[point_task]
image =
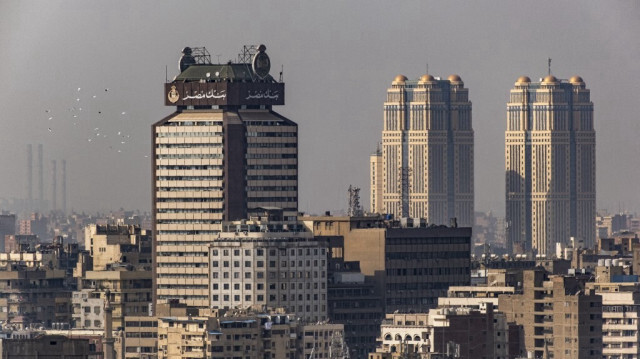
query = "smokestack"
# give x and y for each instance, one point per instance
(64, 186)
(29, 177)
(54, 185)
(40, 178)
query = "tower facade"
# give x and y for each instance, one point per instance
(427, 151)
(220, 156)
(550, 164)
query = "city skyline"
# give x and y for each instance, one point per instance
(55, 56)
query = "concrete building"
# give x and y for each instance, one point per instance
(88, 309)
(620, 319)
(427, 152)
(7, 227)
(473, 296)
(550, 165)
(34, 296)
(109, 244)
(222, 154)
(354, 301)
(20, 243)
(559, 317)
(129, 291)
(458, 333)
(264, 264)
(223, 333)
(139, 339)
(411, 266)
(48, 346)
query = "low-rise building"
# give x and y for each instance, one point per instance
(49, 346)
(456, 332)
(109, 244)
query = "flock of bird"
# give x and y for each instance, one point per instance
(86, 114)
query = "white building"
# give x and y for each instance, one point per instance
(264, 264)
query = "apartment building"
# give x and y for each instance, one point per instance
(558, 315)
(264, 264)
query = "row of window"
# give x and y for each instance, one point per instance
(188, 134)
(184, 156)
(272, 167)
(191, 178)
(272, 252)
(272, 145)
(271, 155)
(272, 264)
(191, 167)
(188, 145)
(197, 199)
(173, 123)
(189, 210)
(188, 233)
(183, 189)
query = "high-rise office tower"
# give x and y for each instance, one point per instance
(550, 149)
(222, 155)
(426, 163)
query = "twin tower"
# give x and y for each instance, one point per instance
(424, 167)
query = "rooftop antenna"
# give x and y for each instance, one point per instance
(549, 67)
(166, 74)
(427, 68)
(281, 72)
(218, 56)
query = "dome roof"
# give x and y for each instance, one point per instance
(549, 79)
(427, 78)
(400, 79)
(454, 78)
(576, 80)
(523, 79)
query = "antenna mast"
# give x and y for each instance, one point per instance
(549, 67)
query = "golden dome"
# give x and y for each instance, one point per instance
(427, 78)
(400, 79)
(549, 79)
(454, 78)
(523, 79)
(576, 80)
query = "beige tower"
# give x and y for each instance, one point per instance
(427, 151)
(550, 164)
(222, 155)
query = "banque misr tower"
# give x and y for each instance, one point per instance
(550, 149)
(223, 154)
(425, 166)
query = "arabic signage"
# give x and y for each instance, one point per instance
(223, 93)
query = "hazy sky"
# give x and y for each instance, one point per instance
(339, 58)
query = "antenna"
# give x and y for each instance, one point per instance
(549, 67)
(281, 72)
(166, 74)
(218, 56)
(427, 68)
